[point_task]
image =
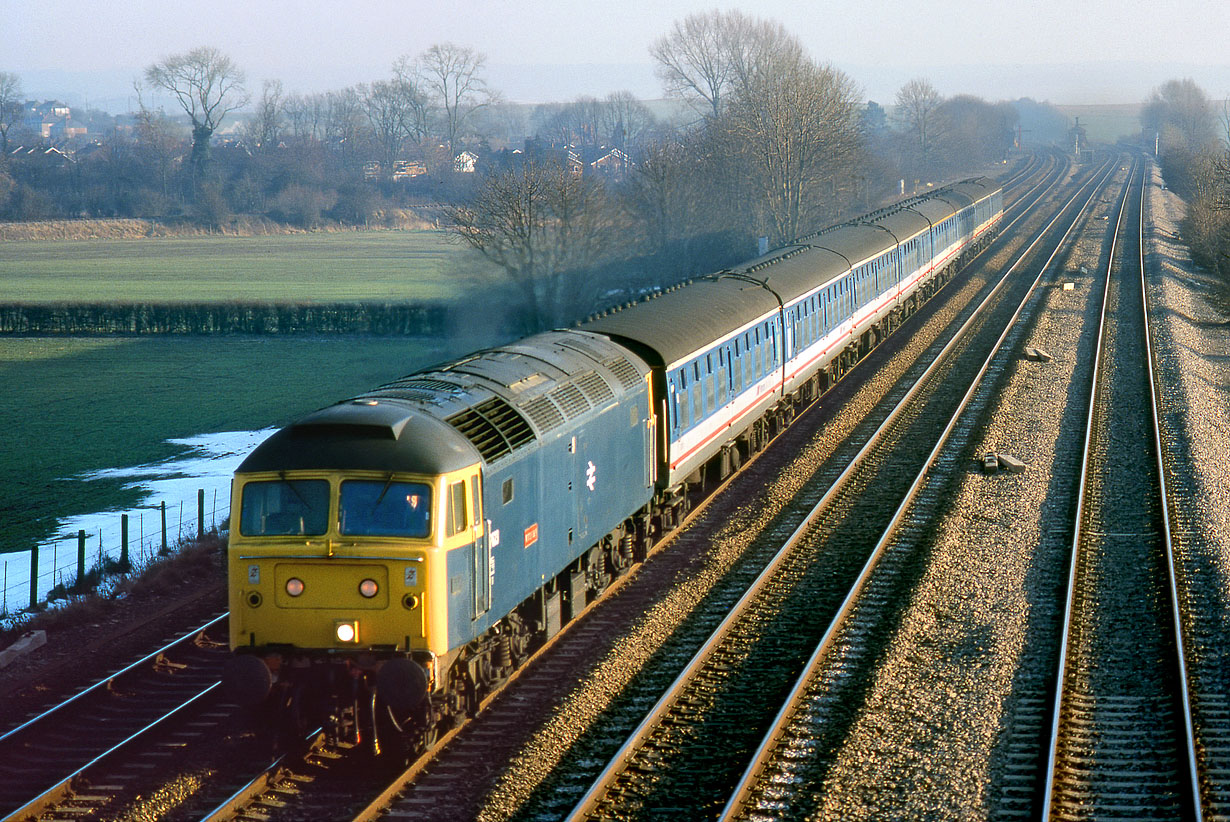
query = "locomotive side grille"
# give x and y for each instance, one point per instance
(595, 388)
(571, 400)
(624, 370)
(494, 427)
(544, 413)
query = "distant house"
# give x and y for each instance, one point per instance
(52, 120)
(371, 170)
(408, 169)
(465, 163)
(611, 162)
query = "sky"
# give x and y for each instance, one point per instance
(1081, 51)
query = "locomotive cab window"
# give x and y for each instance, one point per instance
(383, 508)
(285, 508)
(457, 515)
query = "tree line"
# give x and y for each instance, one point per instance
(1192, 140)
(760, 144)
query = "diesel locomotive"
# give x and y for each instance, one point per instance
(394, 557)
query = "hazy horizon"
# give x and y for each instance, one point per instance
(88, 52)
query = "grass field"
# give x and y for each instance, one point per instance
(71, 405)
(321, 267)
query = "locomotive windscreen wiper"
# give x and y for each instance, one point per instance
(291, 485)
(383, 491)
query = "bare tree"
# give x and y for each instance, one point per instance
(758, 49)
(975, 131)
(1179, 110)
(693, 61)
(453, 74)
(264, 130)
(623, 120)
(919, 112)
(390, 108)
(708, 56)
(208, 85)
(158, 140)
(305, 116)
(344, 120)
(542, 225)
(408, 75)
(661, 188)
(798, 127)
(10, 107)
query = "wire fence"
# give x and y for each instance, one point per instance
(89, 561)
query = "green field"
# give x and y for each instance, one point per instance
(77, 404)
(412, 266)
(72, 405)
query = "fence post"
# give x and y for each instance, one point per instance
(124, 566)
(34, 576)
(163, 508)
(81, 560)
(200, 513)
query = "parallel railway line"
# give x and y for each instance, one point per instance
(1123, 731)
(73, 742)
(700, 713)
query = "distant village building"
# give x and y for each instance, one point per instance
(612, 162)
(465, 163)
(52, 120)
(408, 169)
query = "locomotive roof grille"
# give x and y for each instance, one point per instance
(624, 370)
(595, 388)
(570, 400)
(425, 384)
(544, 413)
(494, 427)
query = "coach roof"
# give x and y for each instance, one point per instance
(680, 322)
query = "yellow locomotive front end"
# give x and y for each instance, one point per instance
(334, 561)
(337, 561)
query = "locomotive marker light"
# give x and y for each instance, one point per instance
(294, 586)
(346, 631)
(368, 588)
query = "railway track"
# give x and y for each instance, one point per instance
(701, 725)
(48, 758)
(1200, 572)
(1123, 731)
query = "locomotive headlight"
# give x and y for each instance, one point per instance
(346, 631)
(368, 588)
(294, 586)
